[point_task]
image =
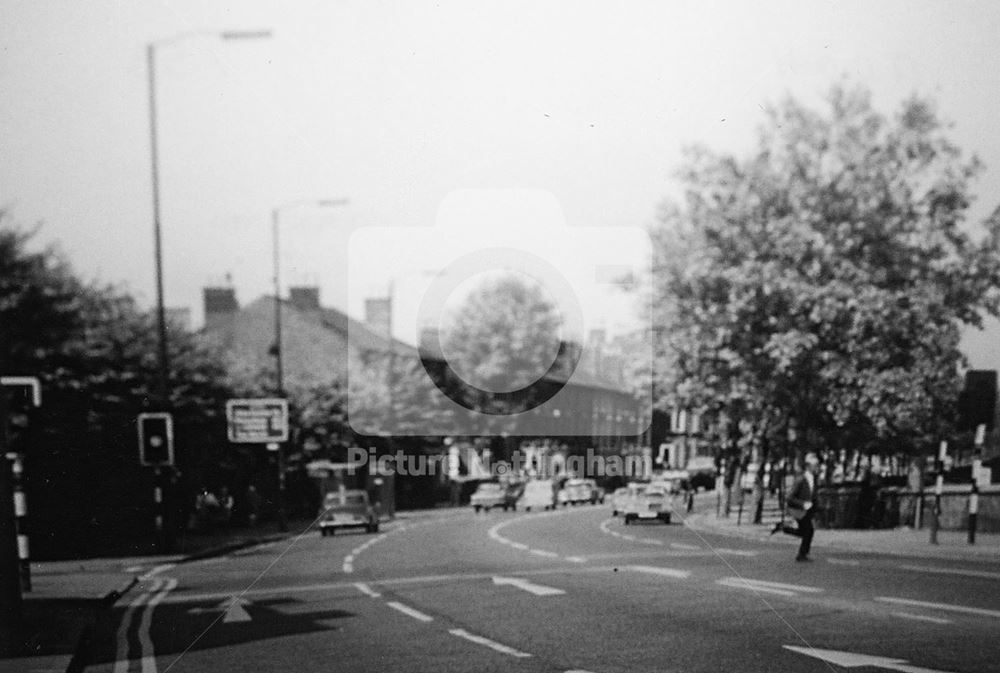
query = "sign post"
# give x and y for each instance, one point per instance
(262, 421)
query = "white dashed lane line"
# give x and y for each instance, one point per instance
(409, 612)
(952, 571)
(367, 590)
(922, 618)
(777, 588)
(664, 572)
(492, 644)
(939, 606)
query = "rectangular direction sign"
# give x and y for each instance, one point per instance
(257, 421)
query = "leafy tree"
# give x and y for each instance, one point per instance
(822, 280)
(94, 350)
(503, 337)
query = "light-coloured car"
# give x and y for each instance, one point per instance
(574, 492)
(596, 492)
(538, 494)
(622, 501)
(654, 503)
(618, 500)
(348, 509)
(490, 494)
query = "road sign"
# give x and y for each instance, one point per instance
(257, 421)
(156, 438)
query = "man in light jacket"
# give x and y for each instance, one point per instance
(802, 504)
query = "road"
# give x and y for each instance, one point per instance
(572, 590)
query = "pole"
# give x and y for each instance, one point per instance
(279, 372)
(21, 520)
(161, 318)
(938, 490)
(973, 512)
(10, 585)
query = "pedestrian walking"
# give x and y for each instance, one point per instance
(801, 506)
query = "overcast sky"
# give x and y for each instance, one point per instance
(395, 105)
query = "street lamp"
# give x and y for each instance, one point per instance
(278, 356)
(163, 392)
(163, 362)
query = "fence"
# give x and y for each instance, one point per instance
(851, 506)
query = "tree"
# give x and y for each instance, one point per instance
(822, 280)
(94, 350)
(502, 338)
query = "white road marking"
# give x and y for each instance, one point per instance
(855, 660)
(939, 606)
(233, 609)
(480, 640)
(348, 566)
(843, 562)
(761, 586)
(542, 552)
(519, 545)
(407, 610)
(525, 585)
(367, 590)
(953, 571)
(688, 547)
(121, 654)
(576, 559)
(922, 618)
(393, 581)
(157, 570)
(666, 572)
(145, 641)
(775, 585)
(734, 552)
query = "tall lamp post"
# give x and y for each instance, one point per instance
(279, 370)
(163, 362)
(162, 398)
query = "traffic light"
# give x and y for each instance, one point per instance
(156, 439)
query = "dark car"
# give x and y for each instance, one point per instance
(348, 510)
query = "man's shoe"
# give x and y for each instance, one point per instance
(776, 528)
(803, 559)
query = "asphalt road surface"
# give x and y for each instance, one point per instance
(572, 590)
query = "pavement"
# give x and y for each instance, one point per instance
(571, 590)
(905, 542)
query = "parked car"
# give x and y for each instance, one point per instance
(596, 492)
(492, 494)
(701, 472)
(624, 496)
(538, 494)
(575, 492)
(350, 509)
(654, 503)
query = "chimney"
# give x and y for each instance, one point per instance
(304, 298)
(378, 315)
(220, 306)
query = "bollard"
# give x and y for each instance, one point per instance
(973, 512)
(21, 520)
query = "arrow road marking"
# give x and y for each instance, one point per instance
(940, 606)
(536, 589)
(480, 640)
(853, 660)
(233, 607)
